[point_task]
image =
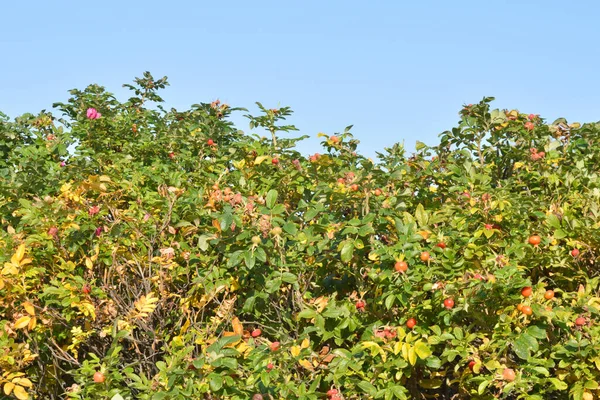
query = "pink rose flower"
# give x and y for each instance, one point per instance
(92, 113)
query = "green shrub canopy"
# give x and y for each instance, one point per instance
(149, 253)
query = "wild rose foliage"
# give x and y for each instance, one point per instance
(171, 256)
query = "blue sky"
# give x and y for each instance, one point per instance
(396, 70)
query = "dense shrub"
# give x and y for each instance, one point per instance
(162, 254)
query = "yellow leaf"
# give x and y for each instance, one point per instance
(405, 348)
(321, 303)
(424, 234)
(185, 327)
(397, 348)
(10, 269)
(306, 364)
(73, 226)
(20, 393)
(24, 382)
(412, 356)
(18, 256)
(422, 350)
(258, 160)
(235, 285)
(238, 329)
(375, 349)
(1, 283)
(305, 343)
(87, 308)
(239, 164)
(29, 308)
(295, 351)
(22, 322)
(243, 348)
(88, 263)
(8, 388)
(32, 323)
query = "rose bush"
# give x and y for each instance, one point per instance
(150, 253)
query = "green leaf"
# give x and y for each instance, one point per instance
(368, 388)
(433, 362)
(591, 385)
(288, 277)
(365, 230)
(482, 386)
(577, 391)
(347, 251)
(524, 344)
(558, 384)
(249, 259)
(203, 242)
(271, 198)
(537, 332)
(553, 221)
(273, 285)
(560, 234)
(389, 301)
(398, 391)
(307, 313)
(215, 381)
(290, 228)
(422, 350)
(421, 216)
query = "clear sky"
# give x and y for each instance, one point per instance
(396, 70)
